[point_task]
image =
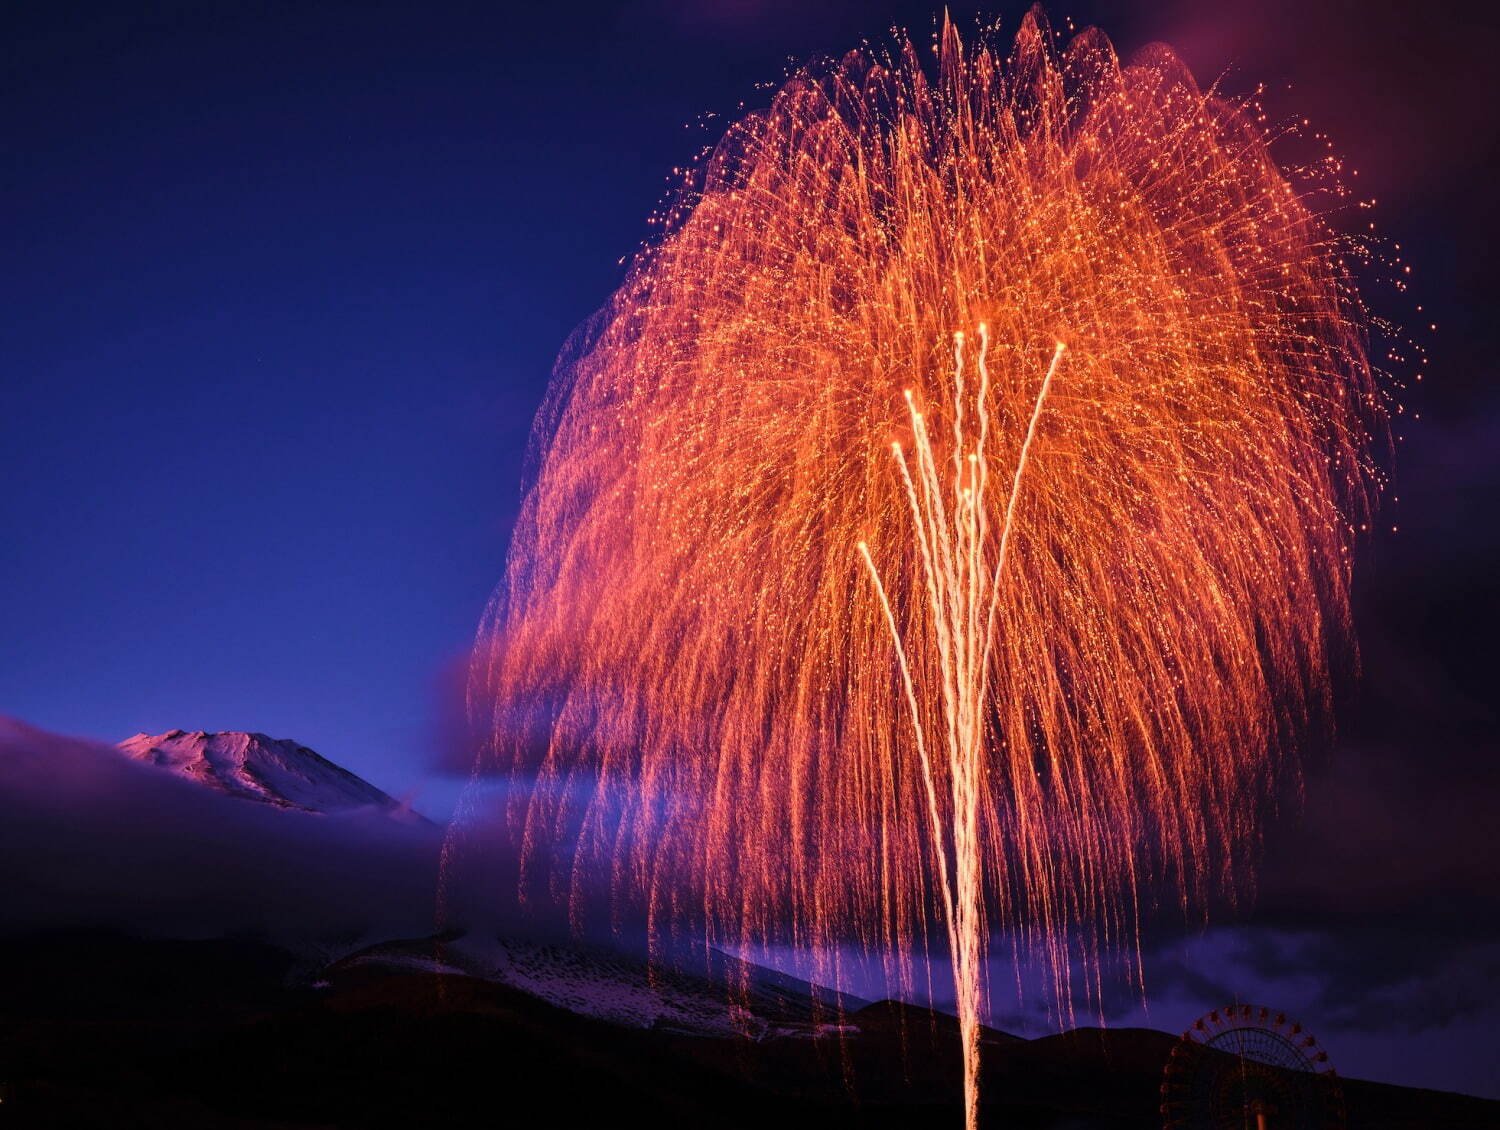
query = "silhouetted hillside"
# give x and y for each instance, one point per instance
(100, 1030)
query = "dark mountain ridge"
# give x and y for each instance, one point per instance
(105, 1030)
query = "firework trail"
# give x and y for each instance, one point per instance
(963, 591)
(946, 529)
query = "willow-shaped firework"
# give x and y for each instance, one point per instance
(718, 651)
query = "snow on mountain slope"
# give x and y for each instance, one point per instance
(255, 767)
(727, 997)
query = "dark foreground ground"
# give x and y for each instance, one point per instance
(104, 1031)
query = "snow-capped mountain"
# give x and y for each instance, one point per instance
(255, 767)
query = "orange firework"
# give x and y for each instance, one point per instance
(947, 525)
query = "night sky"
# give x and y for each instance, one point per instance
(283, 287)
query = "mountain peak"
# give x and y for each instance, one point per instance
(255, 767)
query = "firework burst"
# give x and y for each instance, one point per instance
(857, 610)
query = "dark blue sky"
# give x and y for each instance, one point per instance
(284, 281)
(284, 284)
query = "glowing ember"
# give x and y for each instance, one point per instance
(793, 688)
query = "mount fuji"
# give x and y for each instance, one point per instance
(255, 767)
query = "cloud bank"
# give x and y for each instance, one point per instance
(89, 838)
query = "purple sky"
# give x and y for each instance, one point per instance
(284, 283)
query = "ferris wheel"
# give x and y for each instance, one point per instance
(1247, 1067)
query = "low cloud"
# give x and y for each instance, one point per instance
(89, 838)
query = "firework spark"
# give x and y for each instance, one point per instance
(861, 612)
